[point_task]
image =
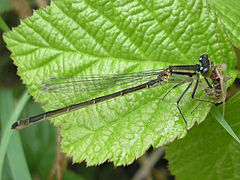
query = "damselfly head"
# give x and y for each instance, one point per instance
(206, 64)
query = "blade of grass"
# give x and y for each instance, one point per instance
(218, 116)
(8, 133)
(15, 152)
(3, 26)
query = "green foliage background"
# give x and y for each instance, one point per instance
(208, 152)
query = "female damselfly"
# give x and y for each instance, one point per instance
(179, 74)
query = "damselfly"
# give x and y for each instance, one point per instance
(179, 75)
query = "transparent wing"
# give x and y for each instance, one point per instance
(68, 91)
(65, 91)
(97, 82)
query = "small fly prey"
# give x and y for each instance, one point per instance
(179, 75)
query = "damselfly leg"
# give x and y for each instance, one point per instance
(195, 89)
(178, 101)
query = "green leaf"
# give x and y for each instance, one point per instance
(78, 38)
(42, 143)
(219, 117)
(208, 152)
(6, 137)
(3, 25)
(228, 12)
(15, 154)
(5, 6)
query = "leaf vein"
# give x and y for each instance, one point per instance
(94, 38)
(142, 52)
(58, 31)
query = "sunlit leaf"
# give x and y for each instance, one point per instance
(76, 38)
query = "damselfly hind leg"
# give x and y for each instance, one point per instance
(195, 89)
(178, 101)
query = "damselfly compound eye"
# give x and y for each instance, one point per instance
(205, 63)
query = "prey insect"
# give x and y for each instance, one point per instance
(179, 75)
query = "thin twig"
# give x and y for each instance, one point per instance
(22, 8)
(41, 3)
(143, 172)
(60, 161)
